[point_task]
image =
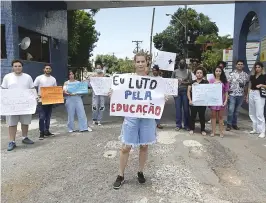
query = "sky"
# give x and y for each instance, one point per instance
(119, 26)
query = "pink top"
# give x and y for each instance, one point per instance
(225, 89)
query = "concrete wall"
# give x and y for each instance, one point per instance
(31, 16)
(244, 12)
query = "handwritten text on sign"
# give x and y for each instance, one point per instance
(18, 102)
(136, 96)
(77, 88)
(207, 95)
(171, 86)
(52, 95)
(101, 85)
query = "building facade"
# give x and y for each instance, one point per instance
(46, 26)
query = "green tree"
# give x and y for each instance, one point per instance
(82, 37)
(172, 39)
(210, 58)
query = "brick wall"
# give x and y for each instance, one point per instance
(31, 16)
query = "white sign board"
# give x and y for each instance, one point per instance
(165, 60)
(137, 96)
(207, 95)
(171, 86)
(101, 85)
(18, 101)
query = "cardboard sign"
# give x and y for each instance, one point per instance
(52, 95)
(77, 88)
(137, 96)
(18, 101)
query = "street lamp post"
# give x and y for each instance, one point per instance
(185, 27)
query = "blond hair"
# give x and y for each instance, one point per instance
(141, 54)
(258, 63)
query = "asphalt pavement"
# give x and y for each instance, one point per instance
(81, 167)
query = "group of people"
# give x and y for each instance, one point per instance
(73, 102)
(236, 88)
(141, 132)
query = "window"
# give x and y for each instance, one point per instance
(3, 42)
(39, 49)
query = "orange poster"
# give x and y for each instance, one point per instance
(52, 95)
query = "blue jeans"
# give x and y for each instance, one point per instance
(233, 108)
(74, 105)
(45, 112)
(181, 102)
(98, 107)
(157, 121)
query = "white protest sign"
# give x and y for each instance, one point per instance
(165, 60)
(171, 86)
(101, 85)
(137, 96)
(18, 101)
(207, 95)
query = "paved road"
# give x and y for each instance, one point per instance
(73, 168)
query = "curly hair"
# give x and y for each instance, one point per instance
(222, 77)
(202, 69)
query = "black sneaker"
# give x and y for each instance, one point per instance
(26, 140)
(48, 133)
(141, 178)
(41, 136)
(119, 182)
(228, 128)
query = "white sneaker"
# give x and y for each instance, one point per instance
(253, 132)
(93, 122)
(262, 135)
(89, 129)
(99, 123)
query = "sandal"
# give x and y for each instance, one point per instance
(221, 135)
(212, 135)
(203, 133)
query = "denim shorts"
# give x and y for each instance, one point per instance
(138, 131)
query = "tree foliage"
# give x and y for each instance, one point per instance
(82, 37)
(210, 58)
(114, 64)
(172, 39)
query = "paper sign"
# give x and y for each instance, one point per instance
(171, 86)
(52, 95)
(101, 85)
(18, 101)
(77, 88)
(137, 96)
(165, 60)
(207, 95)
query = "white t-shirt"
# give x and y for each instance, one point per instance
(44, 81)
(13, 81)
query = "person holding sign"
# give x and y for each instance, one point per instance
(45, 111)
(18, 80)
(98, 101)
(74, 105)
(219, 77)
(200, 73)
(136, 132)
(184, 77)
(256, 99)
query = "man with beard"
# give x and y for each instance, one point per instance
(45, 111)
(181, 100)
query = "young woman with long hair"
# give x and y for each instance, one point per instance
(219, 77)
(256, 100)
(136, 132)
(74, 105)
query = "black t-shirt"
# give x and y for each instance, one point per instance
(202, 82)
(257, 81)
